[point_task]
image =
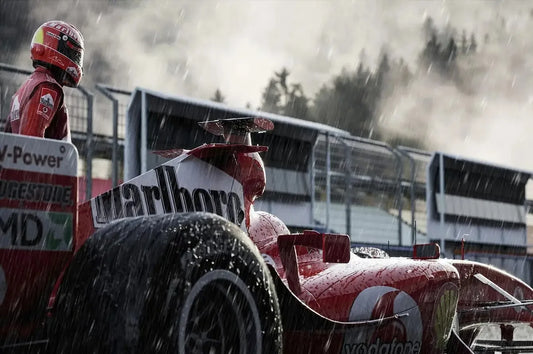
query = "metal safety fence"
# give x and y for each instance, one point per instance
(361, 187)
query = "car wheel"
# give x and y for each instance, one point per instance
(100, 298)
(213, 294)
(167, 283)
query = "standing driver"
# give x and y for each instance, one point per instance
(38, 107)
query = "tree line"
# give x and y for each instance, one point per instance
(351, 99)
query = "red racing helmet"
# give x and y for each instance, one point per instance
(59, 45)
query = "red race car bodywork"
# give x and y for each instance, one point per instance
(331, 299)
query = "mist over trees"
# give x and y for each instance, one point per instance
(282, 97)
(351, 99)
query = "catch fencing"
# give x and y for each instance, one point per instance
(361, 187)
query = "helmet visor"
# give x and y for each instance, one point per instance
(71, 49)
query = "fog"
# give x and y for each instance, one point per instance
(195, 47)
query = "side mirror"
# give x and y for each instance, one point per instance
(335, 248)
(426, 251)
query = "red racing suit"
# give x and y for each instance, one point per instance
(38, 108)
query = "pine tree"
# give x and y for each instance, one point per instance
(349, 102)
(297, 103)
(282, 82)
(218, 97)
(280, 97)
(450, 54)
(465, 47)
(431, 53)
(383, 71)
(271, 98)
(473, 43)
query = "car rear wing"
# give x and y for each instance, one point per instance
(237, 130)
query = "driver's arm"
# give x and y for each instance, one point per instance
(40, 109)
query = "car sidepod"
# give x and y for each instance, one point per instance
(394, 305)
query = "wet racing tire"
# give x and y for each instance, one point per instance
(181, 283)
(213, 294)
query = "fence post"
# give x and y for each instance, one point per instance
(13, 69)
(347, 184)
(312, 176)
(89, 143)
(399, 192)
(114, 150)
(412, 191)
(328, 180)
(409, 153)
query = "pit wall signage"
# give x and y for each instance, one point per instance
(38, 193)
(35, 230)
(38, 155)
(184, 184)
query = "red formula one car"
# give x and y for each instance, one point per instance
(178, 260)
